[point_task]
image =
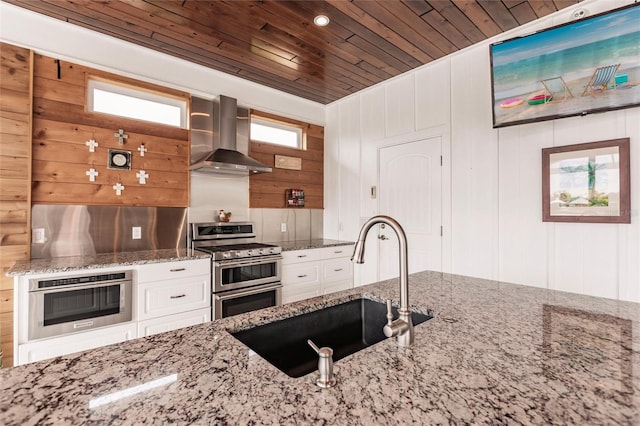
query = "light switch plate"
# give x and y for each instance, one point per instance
(136, 232)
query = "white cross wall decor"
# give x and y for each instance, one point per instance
(142, 150)
(92, 144)
(142, 176)
(121, 136)
(92, 173)
(119, 188)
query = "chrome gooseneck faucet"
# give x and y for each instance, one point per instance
(403, 326)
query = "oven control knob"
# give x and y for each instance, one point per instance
(249, 252)
(261, 251)
(238, 254)
(226, 255)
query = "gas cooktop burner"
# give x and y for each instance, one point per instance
(231, 240)
(237, 251)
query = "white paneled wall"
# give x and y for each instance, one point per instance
(474, 166)
(492, 186)
(400, 105)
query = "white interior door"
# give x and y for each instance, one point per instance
(410, 190)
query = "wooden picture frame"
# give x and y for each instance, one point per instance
(587, 182)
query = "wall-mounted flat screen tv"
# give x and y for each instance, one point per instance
(585, 66)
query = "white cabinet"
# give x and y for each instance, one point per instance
(314, 272)
(153, 272)
(173, 322)
(49, 348)
(173, 295)
(337, 269)
(166, 296)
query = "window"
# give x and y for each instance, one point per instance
(125, 101)
(276, 132)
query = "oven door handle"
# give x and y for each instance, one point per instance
(247, 292)
(260, 260)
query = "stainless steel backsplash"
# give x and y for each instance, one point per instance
(72, 230)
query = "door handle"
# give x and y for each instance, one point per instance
(382, 237)
(178, 296)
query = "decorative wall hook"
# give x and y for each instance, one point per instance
(142, 150)
(92, 173)
(121, 136)
(92, 144)
(142, 177)
(118, 188)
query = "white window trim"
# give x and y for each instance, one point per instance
(120, 89)
(281, 126)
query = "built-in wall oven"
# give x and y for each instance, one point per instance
(78, 303)
(245, 275)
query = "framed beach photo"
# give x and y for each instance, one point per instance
(587, 182)
(585, 66)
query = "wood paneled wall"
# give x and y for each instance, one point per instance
(267, 190)
(16, 65)
(62, 125)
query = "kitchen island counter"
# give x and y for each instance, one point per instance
(494, 353)
(102, 260)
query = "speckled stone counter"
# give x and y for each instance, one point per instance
(495, 353)
(72, 263)
(311, 244)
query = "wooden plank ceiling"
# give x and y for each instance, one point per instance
(275, 43)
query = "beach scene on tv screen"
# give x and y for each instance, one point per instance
(588, 65)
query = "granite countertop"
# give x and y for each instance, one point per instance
(494, 353)
(311, 244)
(106, 260)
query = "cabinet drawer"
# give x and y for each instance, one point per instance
(297, 256)
(56, 346)
(173, 296)
(328, 288)
(173, 270)
(337, 269)
(295, 292)
(301, 273)
(337, 251)
(173, 322)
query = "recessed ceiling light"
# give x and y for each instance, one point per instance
(321, 20)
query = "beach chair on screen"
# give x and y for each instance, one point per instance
(557, 86)
(600, 79)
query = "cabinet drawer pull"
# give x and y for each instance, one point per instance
(302, 276)
(338, 251)
(302, 255)
(338, 270)
(178, 296)
(177, 270)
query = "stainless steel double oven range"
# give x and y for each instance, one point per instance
(245, 274)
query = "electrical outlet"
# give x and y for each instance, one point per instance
(283, 227)
(37, 236)
(136, 232)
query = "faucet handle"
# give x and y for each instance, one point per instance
(389, 312)
(389, 329)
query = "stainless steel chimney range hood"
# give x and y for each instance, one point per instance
(219, 132)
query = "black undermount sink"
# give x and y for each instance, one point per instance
(345, 328)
